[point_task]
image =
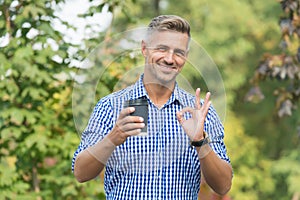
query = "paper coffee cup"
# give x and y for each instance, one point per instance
(141, 110)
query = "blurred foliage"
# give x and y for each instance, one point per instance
(37, 131)
(252, 178)
(41, 89)
(282, 67)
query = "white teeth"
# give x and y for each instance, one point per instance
(167, 67)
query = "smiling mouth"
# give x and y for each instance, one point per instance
(167, 68)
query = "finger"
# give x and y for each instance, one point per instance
(134, 132)
(127, 129)
(126, 111)
(207, 97)
(129, 123)
(187, 109)
(197, 102)
(125, 117)
(180, 118)
(132, 126)
(180, 114)
(207, 107)
(207, 103)
(132, 119)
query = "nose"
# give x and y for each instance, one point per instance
(168, 58)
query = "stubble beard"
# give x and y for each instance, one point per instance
(161, 78)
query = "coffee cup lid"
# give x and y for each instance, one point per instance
(137, 102)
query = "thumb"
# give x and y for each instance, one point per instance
(180, 117)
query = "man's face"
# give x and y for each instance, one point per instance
(165, 54)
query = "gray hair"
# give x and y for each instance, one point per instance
(168, 22)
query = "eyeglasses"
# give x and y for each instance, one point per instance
(165, 49)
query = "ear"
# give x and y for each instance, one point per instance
(144, 48)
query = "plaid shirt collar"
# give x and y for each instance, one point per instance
(139, 91)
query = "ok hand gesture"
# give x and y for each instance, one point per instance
(194, 126)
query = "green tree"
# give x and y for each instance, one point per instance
(284, 67)
(36, 122)
(277, 77)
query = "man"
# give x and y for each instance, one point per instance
(168, 162)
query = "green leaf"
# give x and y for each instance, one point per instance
(17, 117)
(8, 174)
(294, 183)
(11, 132)
(32, 11)
(47, 29)
(24, 52)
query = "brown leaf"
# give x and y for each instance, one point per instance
(285, 108)
(254, 95)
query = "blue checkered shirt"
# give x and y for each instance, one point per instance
(161, 165)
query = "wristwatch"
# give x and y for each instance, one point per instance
(202, 142)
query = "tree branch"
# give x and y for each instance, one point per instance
(36, 182)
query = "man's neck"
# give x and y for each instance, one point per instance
(158, 93)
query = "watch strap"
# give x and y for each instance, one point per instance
(200, 142)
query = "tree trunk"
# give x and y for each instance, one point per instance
(156, 7)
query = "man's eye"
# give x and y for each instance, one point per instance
(180, 53)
